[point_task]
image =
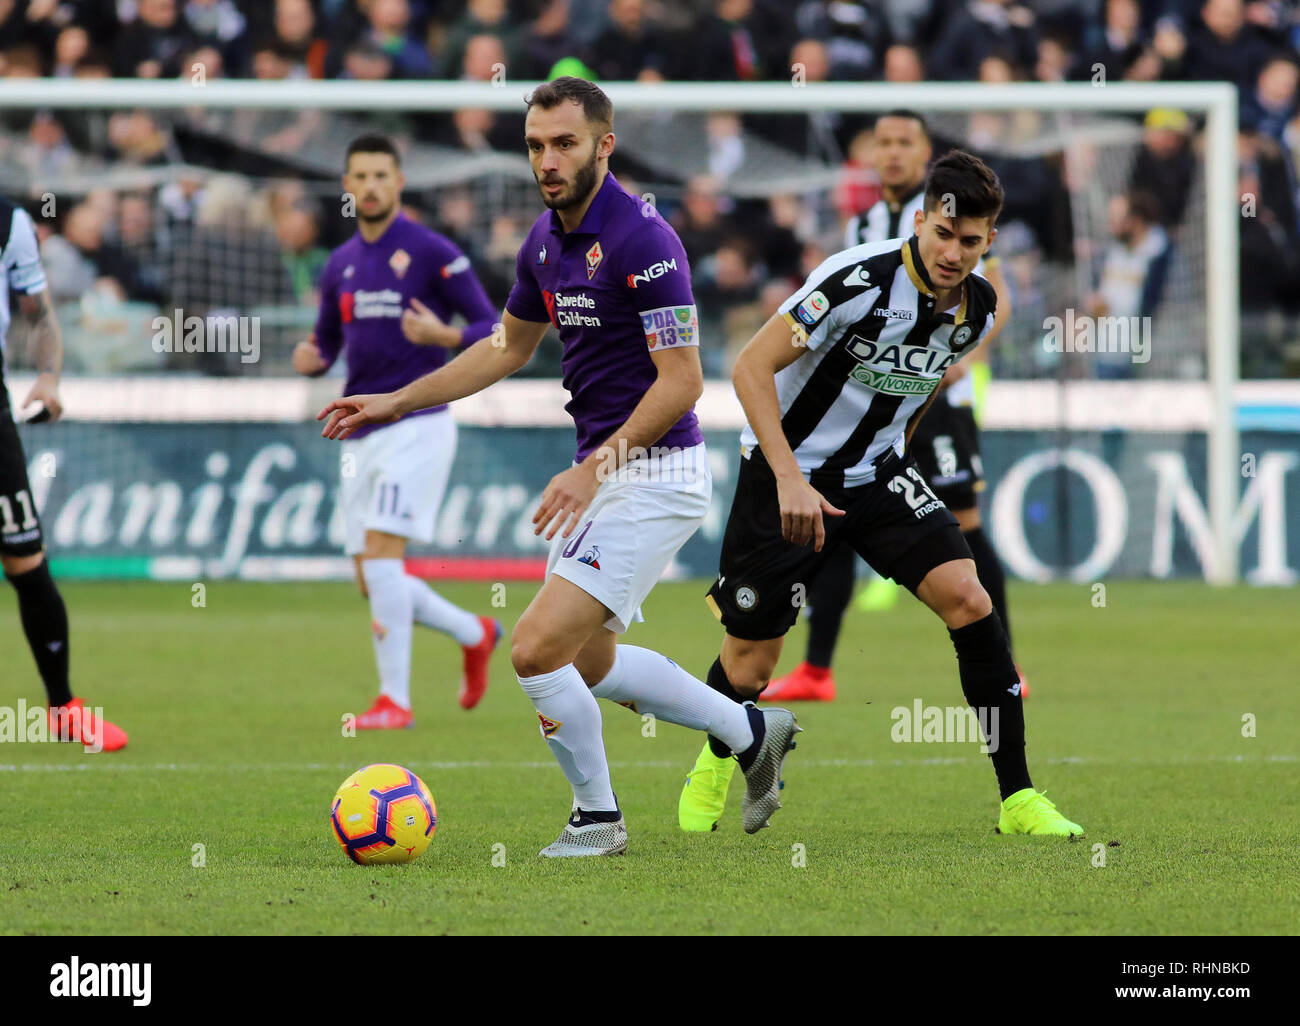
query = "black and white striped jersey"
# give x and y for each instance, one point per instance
(877, 348)
(880, 222)
(20, 269)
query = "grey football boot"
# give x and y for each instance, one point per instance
(583, 835)
(763, 777)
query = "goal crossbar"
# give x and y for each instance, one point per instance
(1216, 102)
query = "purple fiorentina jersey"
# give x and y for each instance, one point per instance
(616, 287)
(366, 287)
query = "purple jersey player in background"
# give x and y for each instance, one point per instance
(387, 297)
(611, 276)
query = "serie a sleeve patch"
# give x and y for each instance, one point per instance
(671, 327)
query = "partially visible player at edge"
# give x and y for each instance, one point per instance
(612, 276)
(22, 546)
(946, 442)
(833, 387)
(386, 297)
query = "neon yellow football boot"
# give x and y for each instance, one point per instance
(1028, 812)
(878, 596)
(705, 795)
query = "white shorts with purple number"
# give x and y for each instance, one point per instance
(641, 516)
(393, 479)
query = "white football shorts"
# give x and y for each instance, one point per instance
(641, 516)
(393, 479)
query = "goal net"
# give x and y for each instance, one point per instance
(1110, 444)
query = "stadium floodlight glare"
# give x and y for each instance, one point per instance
(1216, 102)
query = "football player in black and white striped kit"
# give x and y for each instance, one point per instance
(22, 547)
(833, 387)
(946, 442)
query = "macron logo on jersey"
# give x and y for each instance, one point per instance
(650, 273)
(858, 276)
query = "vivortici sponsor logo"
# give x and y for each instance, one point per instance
(898, 369)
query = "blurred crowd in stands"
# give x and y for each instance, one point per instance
(255, 227)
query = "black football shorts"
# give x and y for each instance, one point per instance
(946, 444)
(895, 523)
(20, 528)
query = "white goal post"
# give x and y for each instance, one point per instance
(1217, 102)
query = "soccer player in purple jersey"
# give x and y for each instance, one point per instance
(387, 297)
(610, 274)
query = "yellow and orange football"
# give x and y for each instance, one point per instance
(383, 814)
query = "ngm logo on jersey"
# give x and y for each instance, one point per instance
(102, 979)
(215, 333)
(37, 725)
(898, 369)
(650, 273)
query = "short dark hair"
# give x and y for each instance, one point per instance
(907, 114)
(568, 89)
(373, 143)
(973, 187)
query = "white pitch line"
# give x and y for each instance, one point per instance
(108, 763)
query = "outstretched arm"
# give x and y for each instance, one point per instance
(484, 363)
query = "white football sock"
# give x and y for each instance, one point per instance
(562, 698)
(658, 686)
(390, 613)
(432, 610)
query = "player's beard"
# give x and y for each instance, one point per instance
(379, 216)
(584, 180)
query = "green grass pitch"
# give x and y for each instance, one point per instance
(1135, 728)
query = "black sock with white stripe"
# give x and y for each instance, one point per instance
(992, 687)
(45, 622)
(717, 680)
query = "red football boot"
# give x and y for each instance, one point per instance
(1024, 684)
(385, 714)
(74, 722)
(475, 679)
(805, 683)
